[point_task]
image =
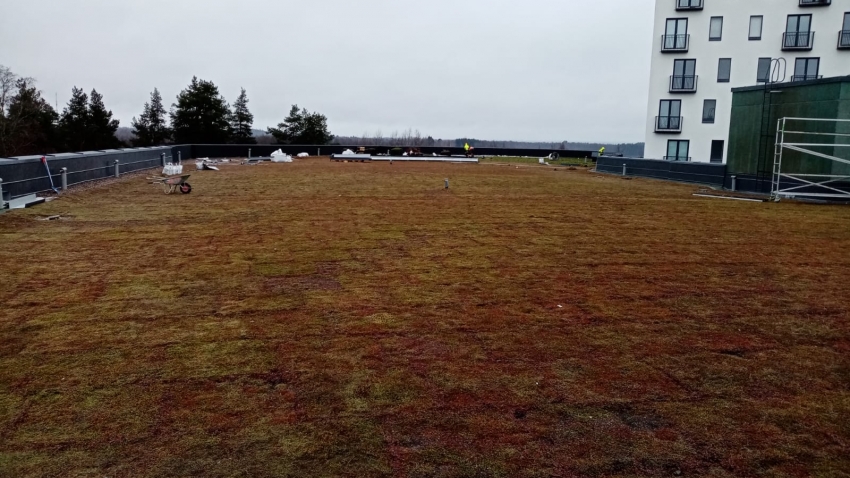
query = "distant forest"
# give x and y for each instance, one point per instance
(415, 138)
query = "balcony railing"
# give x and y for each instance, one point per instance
(815, 3)
(689, 5)
(844, 40)
(668, 124)
(806, 77)
(798, 40)
(678, 158)
(675, 43)
(683, 84)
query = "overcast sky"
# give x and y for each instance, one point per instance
(540, 70)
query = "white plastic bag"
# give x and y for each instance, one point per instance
(307, 155)
(279, 157)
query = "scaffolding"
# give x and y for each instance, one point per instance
(796, 184)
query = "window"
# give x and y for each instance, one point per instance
(724, 70)
(684, 78)
(756, 22)
(688, 4)
(715, 29)
(763, 73)
(708, 108)
(717, 147)
(806, 69)
(798, 32)
(669, 115)
(677, 150)
(798, 23)
(676, 34)
(844, 36)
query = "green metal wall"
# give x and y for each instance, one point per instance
(751, 152)
(744, 132)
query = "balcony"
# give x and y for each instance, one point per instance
(806, 77)
(678, 158)
(798, 41)
(675, 43)
(815, 3)
(844, 40)
(689, 5)
(683, 84)
(668, 124)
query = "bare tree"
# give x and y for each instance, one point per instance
(8, 79)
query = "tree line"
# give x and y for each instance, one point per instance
(200, 115)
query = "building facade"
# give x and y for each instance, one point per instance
(704, 48)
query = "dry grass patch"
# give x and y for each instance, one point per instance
(323, 319)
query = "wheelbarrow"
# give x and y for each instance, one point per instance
(173, 183)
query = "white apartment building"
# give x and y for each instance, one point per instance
(704, 48)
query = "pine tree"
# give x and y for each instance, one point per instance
(73, 124)
(302, 127)
(101, 127)
(151, 128)
(286, 132)
(201, 115)
(29, 124)
(315, 129)
(241, 121)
